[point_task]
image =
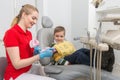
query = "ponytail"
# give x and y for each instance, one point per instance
(15, 21)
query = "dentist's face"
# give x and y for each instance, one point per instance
(59, 36)
(31, 19)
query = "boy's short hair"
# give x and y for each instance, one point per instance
(59, 29)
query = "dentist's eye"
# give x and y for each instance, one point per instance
(34, 18)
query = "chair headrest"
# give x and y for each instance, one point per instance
(46, 22)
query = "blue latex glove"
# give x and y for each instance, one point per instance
(37, 50)
(47, 53)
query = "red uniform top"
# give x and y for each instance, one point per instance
(16, 37)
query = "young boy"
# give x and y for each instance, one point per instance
(63, 48)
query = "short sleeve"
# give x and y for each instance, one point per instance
(10, 39)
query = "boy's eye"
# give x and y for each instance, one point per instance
(59, 36)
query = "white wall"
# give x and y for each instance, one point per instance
(92, 22)
(79, 20)
(60, 12)
(6, 16)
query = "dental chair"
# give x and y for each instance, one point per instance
(61, 72)
(45, 36)
(3, 64)
(112, 37)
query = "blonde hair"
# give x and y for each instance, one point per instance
(27, 8)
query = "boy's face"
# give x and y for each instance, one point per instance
(59, 36)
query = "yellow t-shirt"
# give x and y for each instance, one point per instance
(63, 49)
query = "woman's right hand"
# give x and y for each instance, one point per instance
(46, 53)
